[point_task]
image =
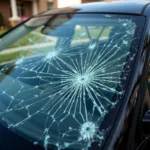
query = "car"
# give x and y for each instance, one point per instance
(77, 78)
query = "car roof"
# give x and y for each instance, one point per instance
(123, 7)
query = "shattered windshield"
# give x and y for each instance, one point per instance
(63, 77)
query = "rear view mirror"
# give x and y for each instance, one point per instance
(60, 31)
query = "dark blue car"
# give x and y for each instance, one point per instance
(77, 78)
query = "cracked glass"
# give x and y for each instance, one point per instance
(63, 77)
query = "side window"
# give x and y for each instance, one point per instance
(106, 33)
(80, 33)
(85, 34)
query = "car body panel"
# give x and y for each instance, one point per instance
(122, 7)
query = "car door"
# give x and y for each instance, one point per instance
(145, 143)
(138, 135)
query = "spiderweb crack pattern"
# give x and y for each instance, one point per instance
(61, 98)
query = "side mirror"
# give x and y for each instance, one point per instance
(146, 122)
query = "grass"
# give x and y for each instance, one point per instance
(2, 31)
(13, 56)
(29, 39)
